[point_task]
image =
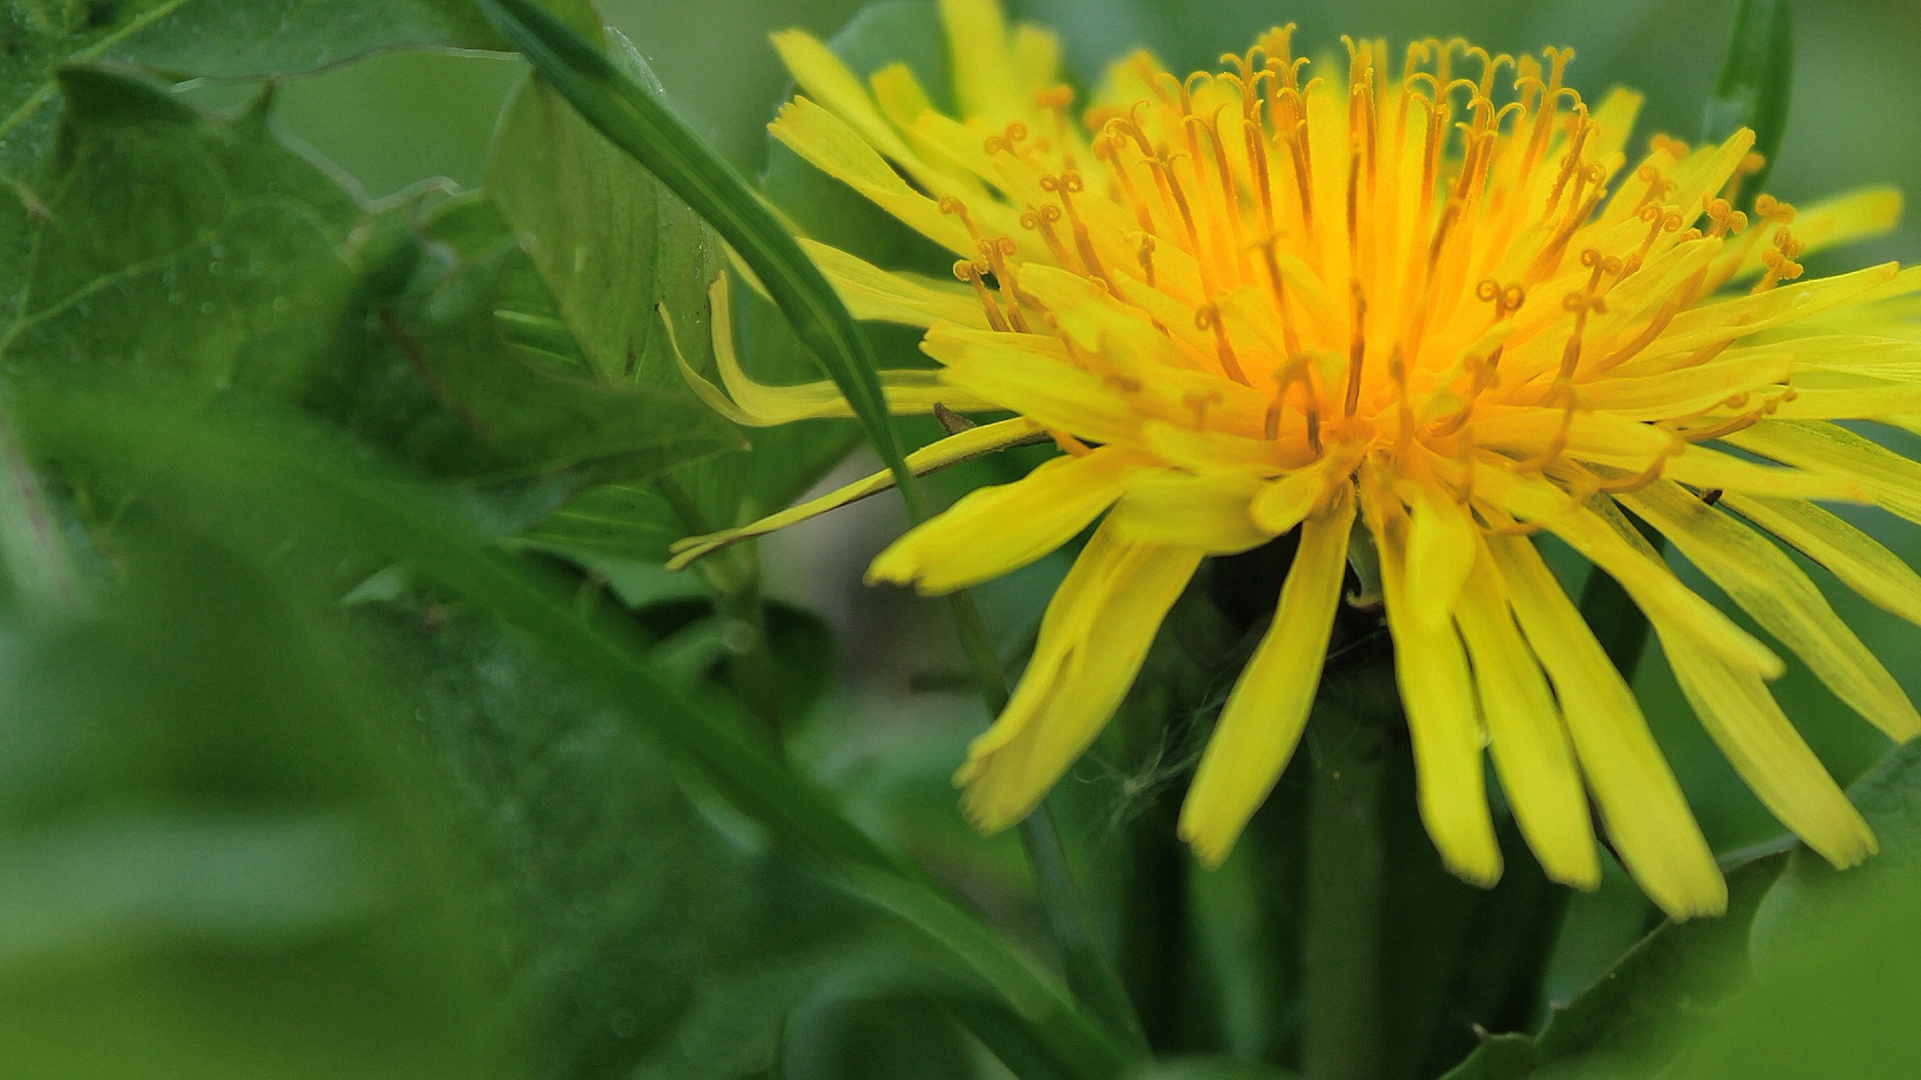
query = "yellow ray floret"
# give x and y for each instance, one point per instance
(1419, 306)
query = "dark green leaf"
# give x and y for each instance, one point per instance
(1647, 1001)
(1754, 85)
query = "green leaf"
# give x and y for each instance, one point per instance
(1810, 891)
(441, 359)
(1754, 85)
(636, 120)
(610, 242)
(217, 858)
(1647, 1001)
(1198, 1068)
(211, 255)
(261, 479)
(641, 936)
(211, 37)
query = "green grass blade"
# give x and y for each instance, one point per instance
(639, 123)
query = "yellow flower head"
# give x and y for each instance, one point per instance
(1430, 294)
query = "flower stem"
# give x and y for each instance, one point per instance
(1341, 958)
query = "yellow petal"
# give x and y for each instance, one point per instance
(1851, 403)
(1440, 553)
(1749, 727)
(1687, 390)
(1640, 804)
(837, 150)
(1709, 324)
(994, 530)
(1031, 374)
(820, 74)
(754, 404)
(1436, 692)
(967, 445)
(1701, 467)
(1264, 715)
(1530, 750)
(1205, 512)
(986, 82)
(1626, 558)
(1856, 558)
(1843, 219)
(1092, 641)
(872, 293)
(1890, 480)
(1774, 591)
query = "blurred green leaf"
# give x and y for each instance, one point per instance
(215, 861)
(1755, 85)
(261, 479)
(1207, 1069)
(643, 938)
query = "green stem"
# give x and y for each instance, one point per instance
(734, 579)
(1341, 957)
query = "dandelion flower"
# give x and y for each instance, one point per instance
(1429, 305)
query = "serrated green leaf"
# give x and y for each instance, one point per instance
(211, 37)
(161, 242)
(1754, 86)
(209, 254)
